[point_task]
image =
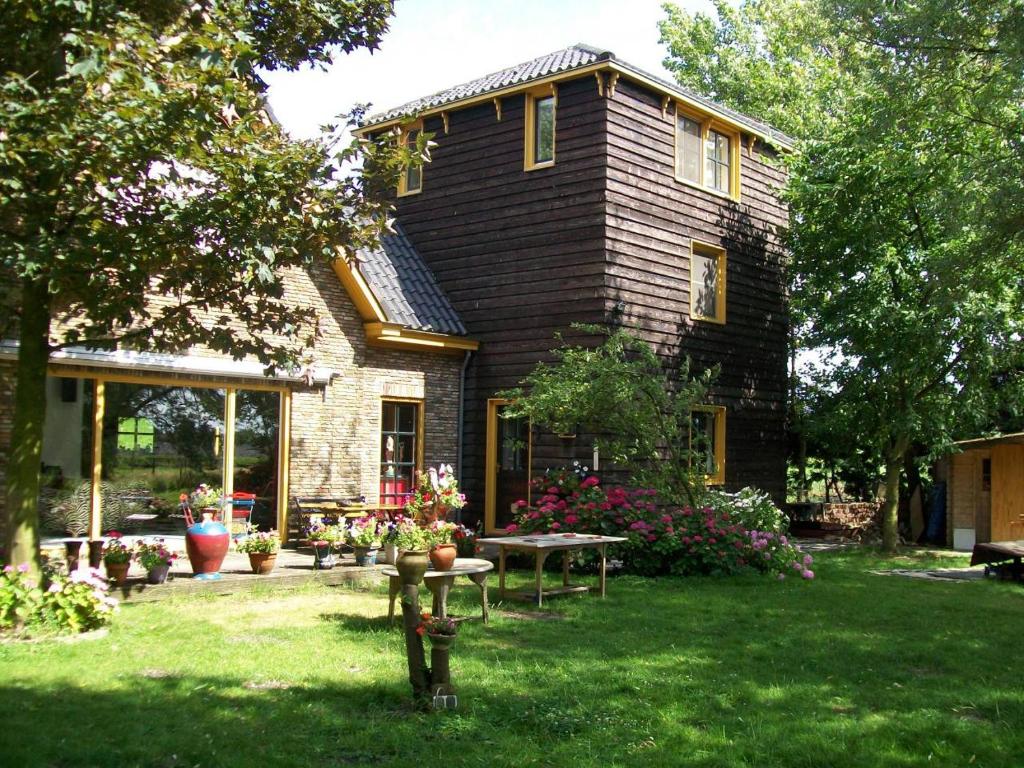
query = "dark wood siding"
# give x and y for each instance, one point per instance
(651, 221)
(524, 254)
(521, 254)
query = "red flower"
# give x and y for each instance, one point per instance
(114, 535)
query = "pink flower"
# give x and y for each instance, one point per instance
(570, 519)
(782, 576)
(521, 503)
(651, 537)
(511, 528)
(666, 518)
(553, 489)
(807, 574)
(555, 526)
(808, 559)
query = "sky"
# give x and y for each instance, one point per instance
(434, 44)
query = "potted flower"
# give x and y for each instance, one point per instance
(364, 537)
(322, 537)
(441, 630)
(388, 532)
(436, 493)
(156, 558)
(411, 541)
(208, 499)
(440, 537)
(262, 547)
(117, 558)
(465, 541)
(207, 541)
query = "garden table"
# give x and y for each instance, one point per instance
(542, 545)
(440, 582)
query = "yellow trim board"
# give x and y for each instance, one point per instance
(359, 291)
(395, 334)
(610, 66)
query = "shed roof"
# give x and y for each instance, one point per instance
(1013, 438)
(406, 288)
(566, 60)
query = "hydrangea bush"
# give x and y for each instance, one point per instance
(77, 603)
(721, 537)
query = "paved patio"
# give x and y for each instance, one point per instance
(294, 568)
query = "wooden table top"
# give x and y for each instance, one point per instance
(552, 540)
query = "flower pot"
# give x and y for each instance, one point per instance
(95, 553)
(72, 553)
(366, 555)
(117, 572)
(262, 563)
(442, 556)
(441, 642)
(158, 573)
(411, 566)
(323, 560)
(206, 544)
(388, 554)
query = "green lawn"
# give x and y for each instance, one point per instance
(851, 669)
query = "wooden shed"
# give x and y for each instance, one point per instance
(985, 495)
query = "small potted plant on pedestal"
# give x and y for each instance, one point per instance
(412, 561)
(440, 630)
(363, 536)
(262, 548)
(442, 548)
(322, 538)
(156, 558)
(117, 558)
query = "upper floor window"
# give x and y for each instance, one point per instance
(707, 154)
(411, 180)
(707, 282)
(540, 129)
(707, 441)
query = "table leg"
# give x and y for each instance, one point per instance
(393, 587)
(480, 579)
(541, 557)
(501, 571)
(565, 567)
(604, 567)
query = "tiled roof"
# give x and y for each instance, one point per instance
(406, 288)
(573, 57)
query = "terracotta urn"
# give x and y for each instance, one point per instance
(206, 544)
(442, 556)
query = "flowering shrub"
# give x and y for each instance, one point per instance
(409, 536)
(68, 605)
(206, 496)
(436, 489)
(320, 532)
(152, 555)
(752, 508)
(259, 542)
(115, 550)
(712, 539)
(364, 532)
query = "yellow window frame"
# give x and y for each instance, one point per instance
(404, 190)
(530, 125)
(718, 478)
(708, 124)
(421, 437)
(722, 260)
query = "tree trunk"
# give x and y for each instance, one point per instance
(419, 675)
(891, 504)
(21, 540)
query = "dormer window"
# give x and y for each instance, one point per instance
(540, 129)
(707, 154)
(411, 181)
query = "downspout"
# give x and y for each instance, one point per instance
(461, 421)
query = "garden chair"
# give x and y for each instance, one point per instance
(242, 505)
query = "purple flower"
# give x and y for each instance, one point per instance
(808, 574)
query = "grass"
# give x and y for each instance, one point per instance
(852, 669)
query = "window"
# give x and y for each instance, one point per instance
(707, 442)
(399, 450)
(411, 181)
(707, 154)
(707, 282)
(540, 130)
(135, 434)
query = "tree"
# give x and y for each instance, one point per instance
(138, 159)
(620, 392)
(905, 201)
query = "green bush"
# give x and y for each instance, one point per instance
(752, 508)
(76, 604)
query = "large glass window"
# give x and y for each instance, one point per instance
(399, 449)
(256, 452)
(707, 154)
(65, 491)
(688, 151)
(716, 169)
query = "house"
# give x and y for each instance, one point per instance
(378, 400)
(577, 188)
(984, 490)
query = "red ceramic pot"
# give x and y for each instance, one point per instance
(442, 557)
(206, 544)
